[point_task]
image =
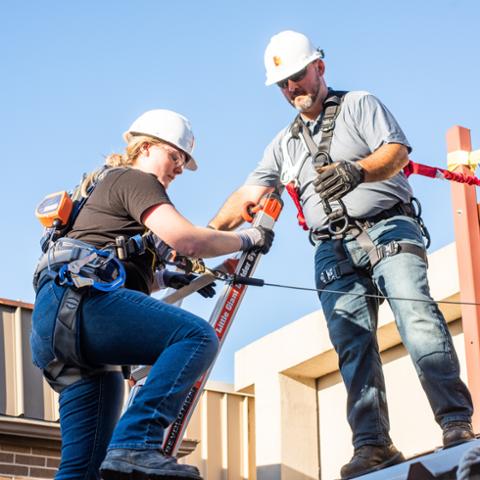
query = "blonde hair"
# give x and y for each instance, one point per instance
(116, 160)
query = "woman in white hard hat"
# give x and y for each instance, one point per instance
(125, 326)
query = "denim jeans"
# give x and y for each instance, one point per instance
(352, 322)
(123, 327)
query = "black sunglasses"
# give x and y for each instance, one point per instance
(296, 77)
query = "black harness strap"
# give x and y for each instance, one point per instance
(66, 327)
(69, 366)
(331, 108)
(375, 255)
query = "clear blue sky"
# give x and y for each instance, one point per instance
(75, 74)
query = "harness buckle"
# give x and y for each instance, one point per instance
(80, 282)
(330, 274)
(388, 250)
(328, 124)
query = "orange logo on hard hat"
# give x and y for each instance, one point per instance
(277, 61)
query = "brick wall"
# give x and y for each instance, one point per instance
(19, 459)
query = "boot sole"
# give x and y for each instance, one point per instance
(459, 442)
(395, 460)
(127, 471)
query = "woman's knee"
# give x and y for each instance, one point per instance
(210, 340)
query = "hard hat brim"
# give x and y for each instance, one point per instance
(190, 165)
(284, 74)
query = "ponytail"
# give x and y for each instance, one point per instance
(115, 160)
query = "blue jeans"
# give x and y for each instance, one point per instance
(123, 327)
(352, 322)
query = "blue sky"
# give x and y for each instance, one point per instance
(76, 74)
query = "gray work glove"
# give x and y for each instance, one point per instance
(256, 238)
(176, 280)
(336, 180)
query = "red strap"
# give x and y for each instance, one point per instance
(293, 192)
(435, 172)
(409, 169)
(461, 178)
(420, 169)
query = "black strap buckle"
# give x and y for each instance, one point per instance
(388, 250)
(328, 124)
(330, 274)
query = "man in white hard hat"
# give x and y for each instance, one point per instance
(342, 160)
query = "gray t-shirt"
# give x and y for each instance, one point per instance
(363, 125)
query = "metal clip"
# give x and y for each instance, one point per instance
(77, 265)
(329, 275)
(328, 124)
(388, 250)
(338, 222)
(417, 213)
(81, 282)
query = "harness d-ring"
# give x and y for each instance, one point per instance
(334, 230)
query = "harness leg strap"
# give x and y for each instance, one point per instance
(65, 333)
(343, 267)
(375, 255)
(69, 366)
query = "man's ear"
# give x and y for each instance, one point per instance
(320, 66)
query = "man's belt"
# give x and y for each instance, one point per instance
(399, 208)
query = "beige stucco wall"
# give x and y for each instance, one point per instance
(413, 429)
(220, 438)
(301, 428)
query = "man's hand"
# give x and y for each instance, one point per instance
(256, 238)
(336, 180)
(177, 280)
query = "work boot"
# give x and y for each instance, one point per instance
(369, 458)
(123, 464)
(455, 433)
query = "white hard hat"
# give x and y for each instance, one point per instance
(168, 126)
(287, 53)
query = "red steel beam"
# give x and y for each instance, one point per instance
(467, 236)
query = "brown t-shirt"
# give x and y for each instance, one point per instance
(115, 207)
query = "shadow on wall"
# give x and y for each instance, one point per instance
(281, 472)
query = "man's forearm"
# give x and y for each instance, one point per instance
(230, 215)
(385, 162)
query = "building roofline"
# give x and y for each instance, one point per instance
(26, 427)
(16, 303)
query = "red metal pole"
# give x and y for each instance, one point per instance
(467, 236)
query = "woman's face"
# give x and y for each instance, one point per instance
(165, 162)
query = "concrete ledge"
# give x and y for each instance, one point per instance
(316, 356)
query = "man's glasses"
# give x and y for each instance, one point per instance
(296, 77)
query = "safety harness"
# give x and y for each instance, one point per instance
(80, 267)
(340, 224)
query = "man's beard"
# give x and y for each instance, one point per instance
(303, 103)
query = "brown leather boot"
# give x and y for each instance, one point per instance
(455, 433)
(369, 458)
